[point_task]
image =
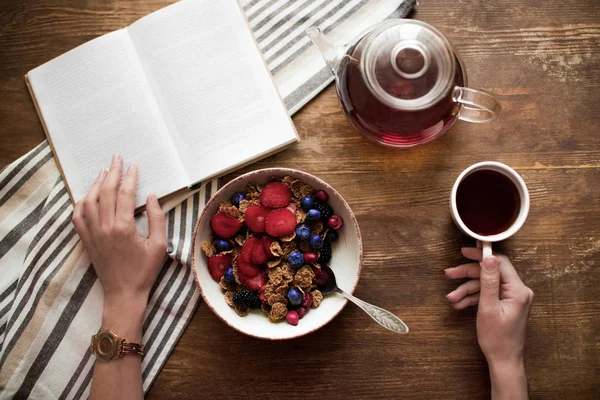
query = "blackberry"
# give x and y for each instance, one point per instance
(324, 253)
(324, 208)
(246, 298)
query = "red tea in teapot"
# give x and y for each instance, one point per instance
(401, 84)
(386, 124)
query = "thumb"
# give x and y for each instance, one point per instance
(156, 221)
(490, 282)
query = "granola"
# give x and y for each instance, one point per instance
(267, 247)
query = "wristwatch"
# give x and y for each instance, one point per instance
(108, 345)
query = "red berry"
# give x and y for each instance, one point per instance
(275, 195)
(267, 241)
(280, 222)
(335, 222)
(310, 257)
(292, 318)
(261, 295)
(259, 255)
(255, 218)
(217, 265)
(248, 269)
(292, 207)
(322, 195)
(224, 226)
(248, 248)
(301, 312)
(254, 283)
(321, 279)
(307, 301)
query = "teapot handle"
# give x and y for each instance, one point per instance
(477, 105)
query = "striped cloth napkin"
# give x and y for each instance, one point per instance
(50, 298)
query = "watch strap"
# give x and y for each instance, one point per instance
(126, 347)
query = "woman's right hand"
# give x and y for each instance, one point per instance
(504, 304)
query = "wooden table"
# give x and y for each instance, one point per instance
(542, 59)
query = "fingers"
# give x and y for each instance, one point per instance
(79, 222)
(89, 208)
(463, 271)
(490, 282)
(468, 301)
(156, 222)
(108, 191)
(126, 196)
(472, 253)
(508, 274)
(470, 287)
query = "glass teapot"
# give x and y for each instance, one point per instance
(402, 84)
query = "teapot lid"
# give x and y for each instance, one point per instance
(408, 64)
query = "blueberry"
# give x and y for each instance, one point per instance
(307, 202)
(237, 197)
(229, 275)
(222, 245)
(296, 259)
(313, 214)
(295, 297)
(316, 242)
(303, 232)
(332, 236)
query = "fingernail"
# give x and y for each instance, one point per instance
(132, 167)
(490, 263)
(100, 173)
(153, 199)
(448, 295)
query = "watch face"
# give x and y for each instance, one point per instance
(106, 346)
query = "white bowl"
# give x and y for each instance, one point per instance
(346, 262)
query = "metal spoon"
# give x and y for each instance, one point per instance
(381, 316)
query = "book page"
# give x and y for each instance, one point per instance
(214, 91)
(95, 101)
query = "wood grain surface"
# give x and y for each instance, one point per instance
(542, 59)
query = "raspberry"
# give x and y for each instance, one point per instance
(246, 298)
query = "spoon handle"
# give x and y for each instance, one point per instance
(381, 316)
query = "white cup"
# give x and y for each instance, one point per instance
(485, 242)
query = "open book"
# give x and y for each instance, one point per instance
(183, 92)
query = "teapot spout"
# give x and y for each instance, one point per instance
(332, 54)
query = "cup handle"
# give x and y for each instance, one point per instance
(477, 105)
(486, 247)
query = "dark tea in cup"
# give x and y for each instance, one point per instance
(488, 202)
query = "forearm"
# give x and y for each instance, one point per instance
(121, 378)
(508, 381)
